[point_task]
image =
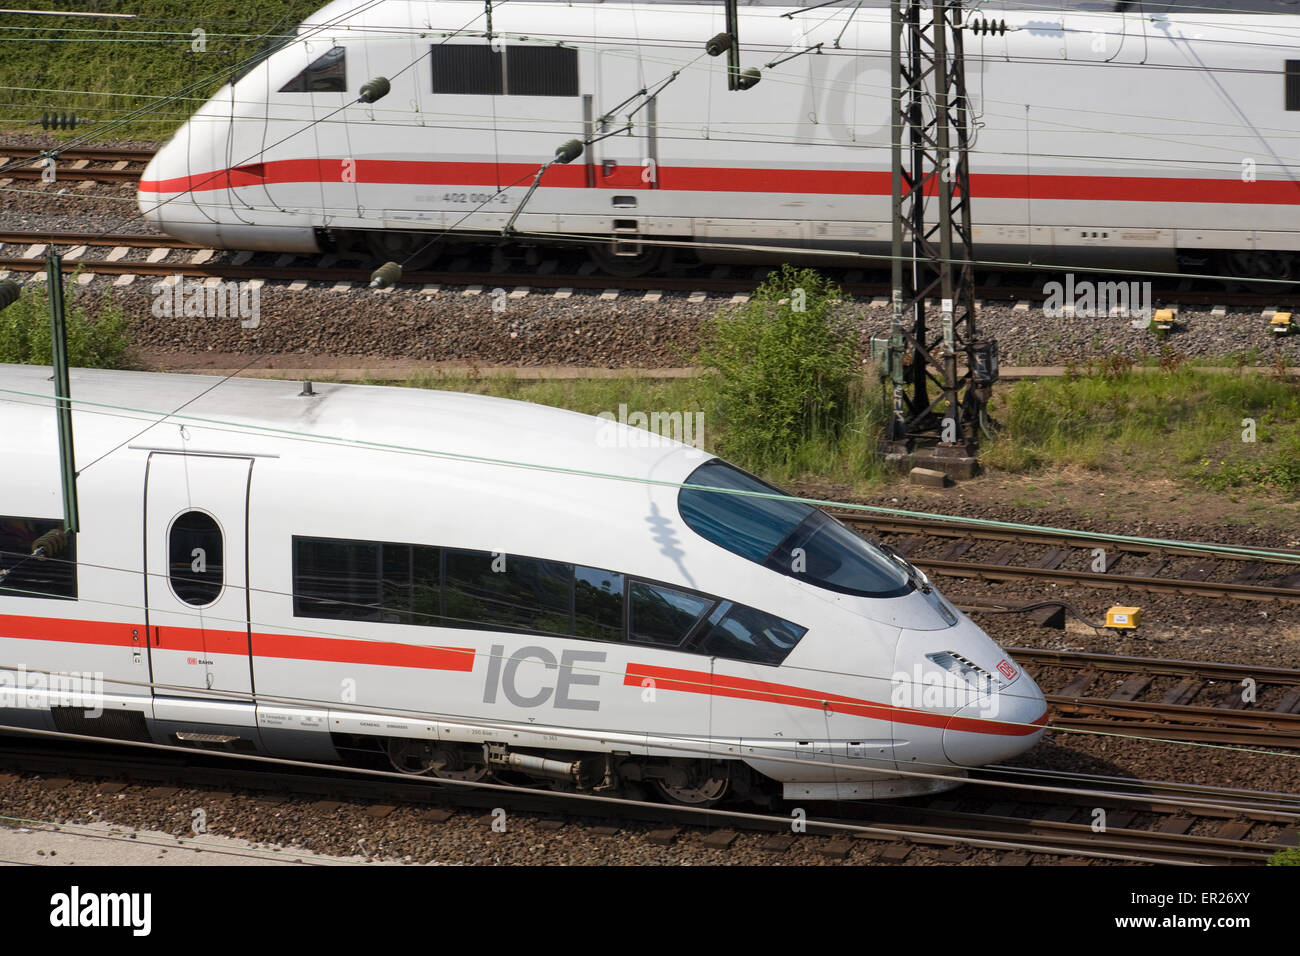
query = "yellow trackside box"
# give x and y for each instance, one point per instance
(1163, 319)
(1123, 617)
(1280, 323)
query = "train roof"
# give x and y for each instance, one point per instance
(270, 412)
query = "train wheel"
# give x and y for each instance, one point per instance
(413, 251)
(427, 758)
(695, 785)
(411, 756)
(648, 260)
(1246, 265)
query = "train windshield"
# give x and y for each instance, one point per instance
(797, 540)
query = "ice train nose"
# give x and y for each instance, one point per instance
(148, 195)
(997, 727)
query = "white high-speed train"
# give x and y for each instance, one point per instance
(1139, 137)
(471, 587)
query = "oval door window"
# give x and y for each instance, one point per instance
(195, 558)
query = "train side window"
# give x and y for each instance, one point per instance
(328, 73)
(466, 68)
(367, 581)
(337, 579)
(21, 575)
(541, 71)
(597, 604)
(495, 591)
(1293, 84)
(746, 634)
(425, 598)
(662, 615)
(195, 558)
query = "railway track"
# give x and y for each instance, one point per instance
(104, 164)
(871, 285)
(1006, 554)
(1203, 825)
(1232, 704)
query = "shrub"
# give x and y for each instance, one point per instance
(1288, 857)
(782, 370)
(92, 343)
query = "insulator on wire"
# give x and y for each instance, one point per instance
(568, 151)
(387, 275)
(49, 544)
(718, 45)
(748, 78)
(983, 26)
(58, 121)
(375, 89)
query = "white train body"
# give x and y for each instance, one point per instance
(225, 583)
(1101, 137)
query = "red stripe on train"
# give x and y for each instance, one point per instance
(720, 179)
(336, 650)
(741, 688)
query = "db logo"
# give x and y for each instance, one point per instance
(1006, 670)
(195, 660)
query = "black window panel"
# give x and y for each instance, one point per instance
(541, 71)
(196, 558)
(465, 68)
(55, 577)
(398, 586)
(597, 604)
(366, 581)
(508, 593)
(742, 633)
(662, 615)
(426, 586)
(1293, 84)
(327, 74)
(414, 584)
(337, 579)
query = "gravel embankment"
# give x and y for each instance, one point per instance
(584, 330)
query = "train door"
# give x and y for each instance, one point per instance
(196, 557)
(626, 160)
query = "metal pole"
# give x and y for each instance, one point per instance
(895, 430)
(62, 391)
(948, 431)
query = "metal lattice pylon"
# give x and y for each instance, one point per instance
(932, 256)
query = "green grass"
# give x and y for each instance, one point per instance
(1175, 422)
(103, 70)
(97, 340)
